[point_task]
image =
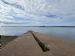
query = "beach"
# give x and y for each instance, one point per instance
(27, 45)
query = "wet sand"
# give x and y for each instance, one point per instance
(26, 45)
(58, 46)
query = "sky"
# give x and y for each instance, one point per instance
(37, 12)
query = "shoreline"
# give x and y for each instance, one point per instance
(10, 38)
(26, 45)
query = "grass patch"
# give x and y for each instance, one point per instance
(6, 39)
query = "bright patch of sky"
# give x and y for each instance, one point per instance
(37, 12)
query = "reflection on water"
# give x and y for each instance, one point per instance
(67, 32)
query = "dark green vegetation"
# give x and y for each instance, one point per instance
(0, 41)
(6, 39)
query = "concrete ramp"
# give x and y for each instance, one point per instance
(25, 45)
(37, 44)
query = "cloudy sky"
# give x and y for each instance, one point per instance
(37, 12)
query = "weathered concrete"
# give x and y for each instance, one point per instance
(25, 45)
(40, 43)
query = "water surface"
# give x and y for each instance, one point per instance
(65, 32)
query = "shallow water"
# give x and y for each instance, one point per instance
(65, 32)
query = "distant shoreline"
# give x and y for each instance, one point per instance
(37, 26)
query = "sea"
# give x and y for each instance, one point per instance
(62, 32)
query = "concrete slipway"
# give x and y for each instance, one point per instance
(38, 44)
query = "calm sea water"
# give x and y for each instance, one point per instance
(65, 32)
